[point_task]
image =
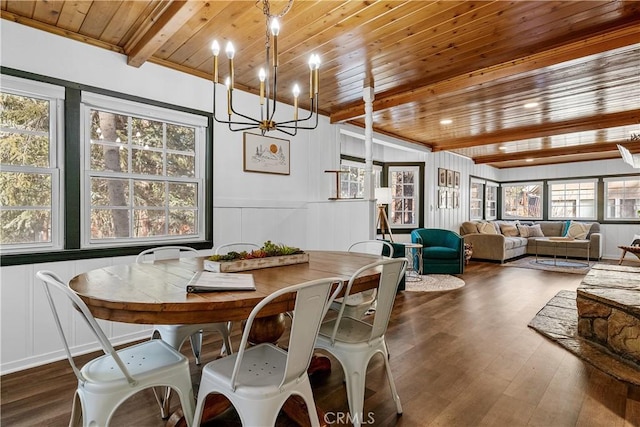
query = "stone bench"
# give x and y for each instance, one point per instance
(608, 302)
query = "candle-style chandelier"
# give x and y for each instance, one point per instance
(268, 86)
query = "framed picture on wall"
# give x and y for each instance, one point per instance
(449, 178)
(266, 154)
(442, 177)
(442, 199)
(456, 199)
(456, 180)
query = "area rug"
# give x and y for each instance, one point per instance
(434, 283)
(547, 264)
(558, 321)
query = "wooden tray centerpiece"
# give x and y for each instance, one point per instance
(269, 255)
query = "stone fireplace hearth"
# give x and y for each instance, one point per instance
(609, 322)
(608, 302)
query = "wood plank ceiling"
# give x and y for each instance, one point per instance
(475, 63)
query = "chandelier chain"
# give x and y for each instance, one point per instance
(266, 10)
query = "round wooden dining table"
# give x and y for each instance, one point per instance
(155, 293)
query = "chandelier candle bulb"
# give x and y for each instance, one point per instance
(230, 53)
(296, 92)
(275, 30)
(215, 49)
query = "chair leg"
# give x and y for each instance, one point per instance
(163, 397)
(76, 411)
(392, 384)
(355, 394)
(196, 345)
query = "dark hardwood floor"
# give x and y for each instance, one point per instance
(460, 358)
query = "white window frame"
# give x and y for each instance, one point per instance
(483, 195)
(55, 95)
(488, 201)
(594, 207)
(504, 187)
(377, 173)
(92, 101)
(606, 198)
(416, 196)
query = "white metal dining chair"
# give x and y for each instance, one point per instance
(354, 342)
(107, 381)
(176, 335)
(259, 379)
(362, 303)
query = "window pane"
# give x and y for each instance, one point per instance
(24, 113)
(108, 127)
(109, 158)
(20, 226)
(147, 133)
(522, 201)
(181, 165)
(147, 162)
(183, 195)
(26, 208)
(109, 192)
(573, 200)
(181, 138)
(149, 223)
(182, 222)
(24, 149)
(149, 193)
(109, 223)
(623, 199)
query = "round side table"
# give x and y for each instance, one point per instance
(413, 252)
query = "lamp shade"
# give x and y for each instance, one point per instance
(383, 195)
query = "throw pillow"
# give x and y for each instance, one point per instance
(578, 230)
(530, 230)
(486, 228)
(509, 230)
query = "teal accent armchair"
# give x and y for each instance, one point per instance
(442, 250)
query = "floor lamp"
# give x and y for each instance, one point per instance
(383, 197)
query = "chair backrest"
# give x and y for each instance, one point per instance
(374, 247)
(165, 252)
(51, 283)
(311, 305)
(391, 273)
(437, 237)
(235, 247)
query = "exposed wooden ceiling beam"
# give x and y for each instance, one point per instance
(159, 26)
(545, 129)
(613, 39)
(553, 152)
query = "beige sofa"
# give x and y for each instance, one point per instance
(497, 246)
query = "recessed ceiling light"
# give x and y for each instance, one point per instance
(502, 147)
(531, 105)
(446, 121)
(529, 160)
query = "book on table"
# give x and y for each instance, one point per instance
(206, 281)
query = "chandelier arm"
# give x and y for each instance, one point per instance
(233, 110)
(313, 110)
